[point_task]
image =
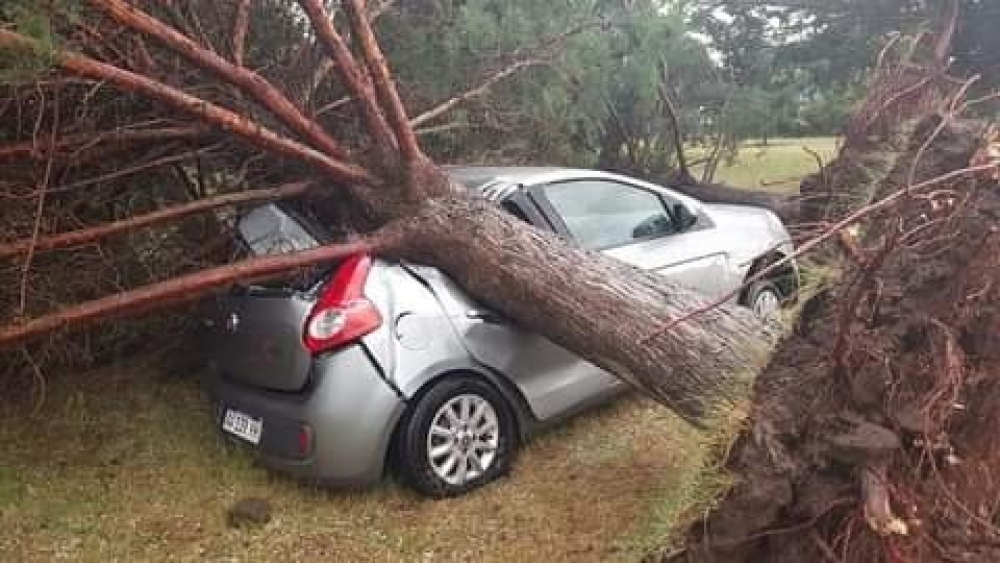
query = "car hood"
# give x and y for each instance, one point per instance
(750, 231)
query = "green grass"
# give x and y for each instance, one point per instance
(124, 464)
(779, 166)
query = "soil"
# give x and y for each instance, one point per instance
(873, 433)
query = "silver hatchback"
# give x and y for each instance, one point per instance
(374, 364)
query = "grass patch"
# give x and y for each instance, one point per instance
(778, 166)
(125, 465)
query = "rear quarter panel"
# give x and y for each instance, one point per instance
(416, 341)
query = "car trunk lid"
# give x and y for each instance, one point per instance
(258, 338)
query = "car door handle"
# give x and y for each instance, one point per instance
(485, 316)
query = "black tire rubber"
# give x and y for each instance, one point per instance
(759, 287)
(411, 451)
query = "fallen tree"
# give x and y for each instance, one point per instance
(882, 382)
(633, 323)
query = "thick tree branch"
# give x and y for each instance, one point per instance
(178, 290)
(476, 92)
(82, 141)
(246, 80)
(210, 113)
(385, 89)
(354, 80)
(88, 235)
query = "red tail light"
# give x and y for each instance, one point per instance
(305, 440)
(343, 313)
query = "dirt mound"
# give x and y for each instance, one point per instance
(873, 436)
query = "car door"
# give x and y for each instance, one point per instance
(639, 226)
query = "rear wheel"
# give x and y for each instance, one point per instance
(459, 436)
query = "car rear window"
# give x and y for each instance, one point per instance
(279, 229)
(266, 231)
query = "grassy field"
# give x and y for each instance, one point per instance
(124, 465)
(778, 166)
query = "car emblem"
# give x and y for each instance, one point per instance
(232, 322)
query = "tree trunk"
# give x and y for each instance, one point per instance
(631, 322)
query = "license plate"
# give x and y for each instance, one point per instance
(243, 426)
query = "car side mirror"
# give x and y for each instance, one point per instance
(684, 216)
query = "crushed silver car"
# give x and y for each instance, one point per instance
(374, 364)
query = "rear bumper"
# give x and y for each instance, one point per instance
(350, 411)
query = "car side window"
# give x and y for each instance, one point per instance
(602, 214)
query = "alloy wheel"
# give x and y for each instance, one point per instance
(463, 439)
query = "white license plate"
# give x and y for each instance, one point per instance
(243, 426)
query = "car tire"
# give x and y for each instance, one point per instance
(459, 435)
(764, 299)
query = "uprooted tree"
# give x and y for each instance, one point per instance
(633, 323)
(864, 410)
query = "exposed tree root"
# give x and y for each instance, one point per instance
(873, 436)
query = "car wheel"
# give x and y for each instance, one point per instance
(459, 436)
(764, 298)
